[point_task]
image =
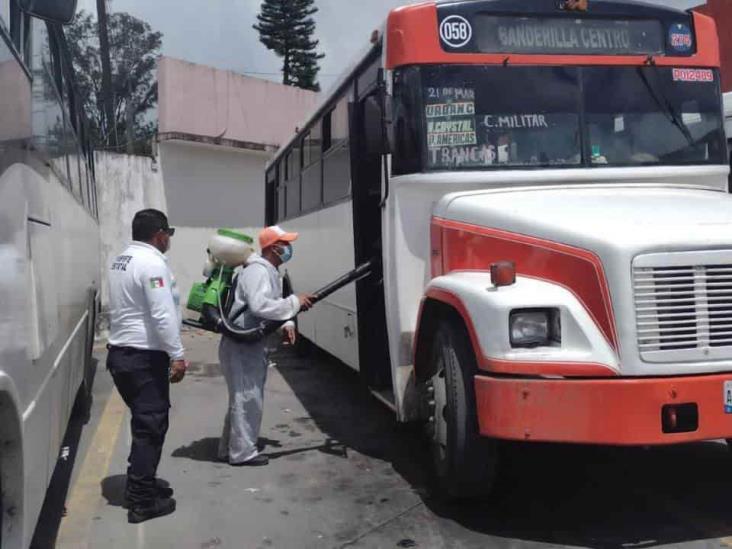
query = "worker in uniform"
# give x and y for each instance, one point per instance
(145, 355)
(257, 297)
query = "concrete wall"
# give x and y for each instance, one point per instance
(125, 185)
(209, 188)
(206, 102)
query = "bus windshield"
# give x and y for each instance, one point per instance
(472, 117)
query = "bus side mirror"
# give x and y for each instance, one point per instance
(376, 124)
(56, 11)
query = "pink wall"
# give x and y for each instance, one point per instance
(207, 102)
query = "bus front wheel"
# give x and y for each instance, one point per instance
(464, 462)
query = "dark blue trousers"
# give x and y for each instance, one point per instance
(141, 377)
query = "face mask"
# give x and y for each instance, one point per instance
(284, 252)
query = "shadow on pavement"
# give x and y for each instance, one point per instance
(560, 494)
(113, 490)
(206, 449)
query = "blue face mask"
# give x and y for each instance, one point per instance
(284, 252)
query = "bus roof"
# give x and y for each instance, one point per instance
(422, 34)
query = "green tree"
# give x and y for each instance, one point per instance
(134, 49)
(287, 27)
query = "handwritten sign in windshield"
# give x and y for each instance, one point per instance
(450, 114)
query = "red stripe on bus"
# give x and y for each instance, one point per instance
(412, 39)
(473, 247)
(517, 367)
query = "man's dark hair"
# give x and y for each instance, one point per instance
(147, 223)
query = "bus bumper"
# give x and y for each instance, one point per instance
(648, 411)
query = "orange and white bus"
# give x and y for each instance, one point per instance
(544, 185)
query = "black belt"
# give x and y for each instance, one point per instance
(131, 349)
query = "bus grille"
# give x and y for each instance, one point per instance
(685, 309)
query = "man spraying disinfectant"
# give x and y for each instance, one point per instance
(244, 309)
(257, 296)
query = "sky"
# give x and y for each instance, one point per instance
(219, 32)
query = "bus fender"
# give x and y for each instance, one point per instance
(468, 297)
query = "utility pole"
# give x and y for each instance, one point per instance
(108, 99)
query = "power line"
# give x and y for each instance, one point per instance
(330, 75)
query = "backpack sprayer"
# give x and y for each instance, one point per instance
(213, 298)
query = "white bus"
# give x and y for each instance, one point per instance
(49, 256)
(728, 128)
(545, 189)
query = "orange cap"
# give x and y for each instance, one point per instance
(270, 235)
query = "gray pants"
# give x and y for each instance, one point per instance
(245, 368)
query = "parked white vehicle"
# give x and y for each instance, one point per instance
(49, 257)
(546, 192)
(728, 120)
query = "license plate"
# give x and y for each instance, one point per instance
(727, 397)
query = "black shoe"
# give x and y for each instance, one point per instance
(162, 491)
(256, 461)
(158, 508)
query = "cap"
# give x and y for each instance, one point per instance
(270, 235)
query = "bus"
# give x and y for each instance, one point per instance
(543, 187)
(728, 128)
(49, 253)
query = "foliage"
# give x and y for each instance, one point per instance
(134, 50)
(287, 27)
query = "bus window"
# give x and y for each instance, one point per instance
(468, 125)
(281, 196)
(20, 30)
(337, 161)
(368, 78)
(652, 117)
(306, 150)
(292, 206)
(406, 157)
(5, 12)
(48, 116)
(326, 130)
(311, 175)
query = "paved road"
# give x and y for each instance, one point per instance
(344, 474)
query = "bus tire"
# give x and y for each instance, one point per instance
(464, 462)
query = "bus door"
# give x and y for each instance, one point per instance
(366, 181)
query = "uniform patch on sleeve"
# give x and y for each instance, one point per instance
(157, 282)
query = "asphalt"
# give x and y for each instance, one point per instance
(343, 473)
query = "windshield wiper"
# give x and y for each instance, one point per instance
(665, 105)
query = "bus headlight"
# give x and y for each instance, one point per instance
(535, 327)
